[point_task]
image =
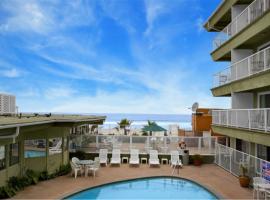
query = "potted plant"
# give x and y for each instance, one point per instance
(197, 159)
(244, 180)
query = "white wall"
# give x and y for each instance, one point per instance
(237, 9)
(242, 100)
(240, 54)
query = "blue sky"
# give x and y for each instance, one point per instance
(111, 56)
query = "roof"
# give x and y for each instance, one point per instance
(35, 119)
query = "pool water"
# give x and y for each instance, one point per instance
(147, 188)
(32, 154)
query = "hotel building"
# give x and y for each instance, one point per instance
(243, 39)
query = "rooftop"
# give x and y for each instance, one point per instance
(35, 119)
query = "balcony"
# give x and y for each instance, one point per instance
(251, 119)
(246, 17)
(251, 65)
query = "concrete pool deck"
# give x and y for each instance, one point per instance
(211, 176)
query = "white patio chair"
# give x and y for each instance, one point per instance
(153, 159)
(134, 157)
(175, 160)
(256, 189)
(76, 169)
(76, 160)
(93, 168)
(116, 158)
(103, 156)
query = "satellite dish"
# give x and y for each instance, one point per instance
(195, 106)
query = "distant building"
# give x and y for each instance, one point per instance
(244, 41)
(7, 104)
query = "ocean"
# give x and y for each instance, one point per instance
(139, 120)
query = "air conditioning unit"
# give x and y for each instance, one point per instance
(7, 104)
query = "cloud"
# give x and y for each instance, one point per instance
(199, 24)
(10, 73)
(44, 17)
(59, 92)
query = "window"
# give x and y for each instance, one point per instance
(14, 154)
(55, 146)
(2, 157)
(34, 148)
(263, 152)
(264, 100)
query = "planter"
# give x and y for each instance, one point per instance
(244, 181)
(197, 162)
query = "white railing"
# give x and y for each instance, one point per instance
(251, 65)
(253, 119)
(230, 159)
(256, 9)
(195, 145)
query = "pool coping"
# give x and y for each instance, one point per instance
(124, 180)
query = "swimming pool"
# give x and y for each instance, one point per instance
(147, 188)
(33, 153)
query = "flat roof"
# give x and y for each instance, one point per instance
(35, 119)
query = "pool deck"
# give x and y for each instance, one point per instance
(211, 176)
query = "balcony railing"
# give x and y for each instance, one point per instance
(164, 144)
(251, 65)
(256, 9)
(252, 119)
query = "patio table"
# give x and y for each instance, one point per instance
(83, 163)
(264, 186)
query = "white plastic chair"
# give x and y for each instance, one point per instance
(94, 167)
(103, 156)
(175, 160)
(75, 169)
(116, 158)
(256, 189)
(153, 160)
(76, 160)
(134, 157)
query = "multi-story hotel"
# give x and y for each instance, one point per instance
(243, 39)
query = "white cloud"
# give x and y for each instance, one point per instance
(43, 17)
(10, 73)
(59, 92)
(199, 24)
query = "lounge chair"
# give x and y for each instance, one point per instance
(103, 156)
(76, 169)
(175, 160)
(93, 168)
(153, 160)
(57, 148)
(134, 157)
(116, 158)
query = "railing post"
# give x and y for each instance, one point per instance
(227, 113)
(97, 146)
(248, 15)
(219, 156)
(249, 120)
(264, 59)
(236, 119)
(249, 71)
(130, 142)
(230, 160)
(219, 117)
(265, 120)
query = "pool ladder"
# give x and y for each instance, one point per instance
(176, 166)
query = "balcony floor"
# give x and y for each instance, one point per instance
(209, 175)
